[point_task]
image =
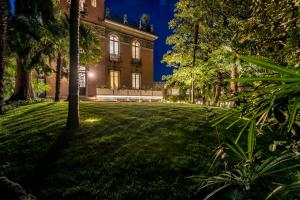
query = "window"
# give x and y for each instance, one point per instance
(82, 80)
(136, 50)
(81, 5)
(41, 81)
(114, 79)
(94, 3)
(136, 81)
(82, 77)
(114, 47)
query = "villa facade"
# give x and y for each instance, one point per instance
(127, 60)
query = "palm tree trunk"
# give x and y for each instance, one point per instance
(58, 78)
(73, 112)
(23, 86)
(3, 35)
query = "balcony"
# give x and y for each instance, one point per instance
(136, 61)
(114, 58)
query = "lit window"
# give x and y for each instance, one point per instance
(94, 3)
(114, 47)
(136, 81)
(82, 2)
(82, 77)
(136, 50)
(114, 79)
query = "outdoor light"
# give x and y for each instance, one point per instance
(92, 120)
(91, 74)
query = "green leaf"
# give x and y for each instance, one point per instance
(293, 112)
(216, 191)
(267, 65)
(251, 139)
(271, 79)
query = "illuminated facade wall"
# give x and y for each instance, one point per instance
(127, 60)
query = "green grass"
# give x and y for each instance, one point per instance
(122, 150)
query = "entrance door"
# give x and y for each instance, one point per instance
(82, 81)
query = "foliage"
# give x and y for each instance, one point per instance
(39, 87)
(90, 45)
(9, 77)
(272, 31)
(90, 52)
(266, 28)
(270, 108)
(28, 33)
(217, 22)
(276, 104)
(251, 174)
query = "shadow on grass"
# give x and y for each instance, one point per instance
(45, 164)
(26, 113)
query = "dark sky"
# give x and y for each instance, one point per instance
(160, 11)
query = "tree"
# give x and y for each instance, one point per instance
(272, 32)
(3, 35)
(218, 22)
(28, 32)
(73, 111)
(58, 31)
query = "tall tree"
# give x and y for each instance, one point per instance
(73, 111)
(218, 22)
(28, 32)
(3, 35)
(89, 44)
(58, 76)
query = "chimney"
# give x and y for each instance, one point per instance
(152, 28)
(125, 19)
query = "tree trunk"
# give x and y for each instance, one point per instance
(234, 85)
(203, 95)
(196, 34)
(217, 94)
(23, 86)
(58, 78)
(3, 35)
(73, 112)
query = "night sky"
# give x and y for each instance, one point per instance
(160, 11)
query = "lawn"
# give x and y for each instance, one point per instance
(122, 151)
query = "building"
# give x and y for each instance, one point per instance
(127, 60)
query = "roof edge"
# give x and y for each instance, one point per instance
(138, 31)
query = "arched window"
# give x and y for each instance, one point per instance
(94, 3)
(114, 47)
(136, 50)
(81, 5)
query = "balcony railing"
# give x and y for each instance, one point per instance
(128, 95)
(114, 57)
(136, 61)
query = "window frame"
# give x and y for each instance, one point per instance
(136, 82)
(114, 44)
(94, 3)
(136, 50)
(114, 75)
